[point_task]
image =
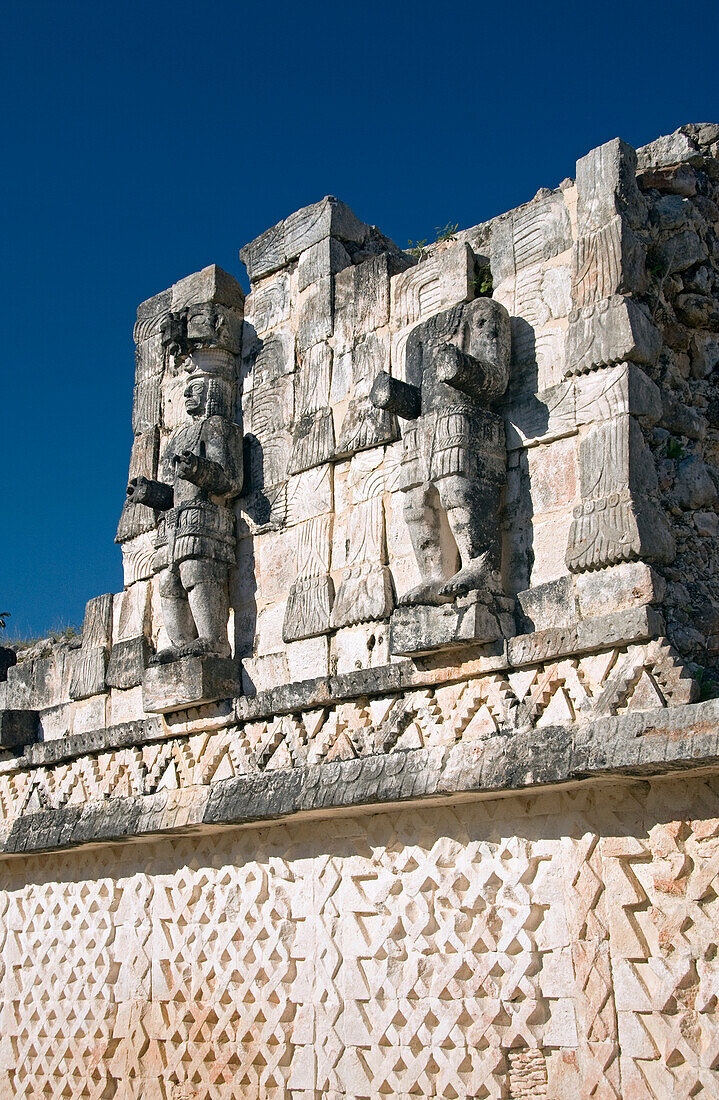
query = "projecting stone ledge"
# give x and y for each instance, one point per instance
(189, 682)
(632, 746)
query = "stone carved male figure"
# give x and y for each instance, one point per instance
(453, 464)
(200, 472)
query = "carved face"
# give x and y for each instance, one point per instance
(195, 396)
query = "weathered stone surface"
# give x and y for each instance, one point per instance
(633, 625)
(614, 330)
(212, 284)
(423, 629)
(128, 660)
(607, 185)
(189, 682)
(548, 605)
(18, 728)
(309, 226)
(608, 464)
(8, 658)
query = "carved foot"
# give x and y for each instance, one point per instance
(429, 591)
(474, 575)
(165, 656)
(205, 647)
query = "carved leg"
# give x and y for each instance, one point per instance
(208, 593)
(176, 615)
(472, 508)
(422, 513)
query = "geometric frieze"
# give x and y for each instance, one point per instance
(556, 945)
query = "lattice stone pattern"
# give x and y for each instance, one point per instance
(559, 945)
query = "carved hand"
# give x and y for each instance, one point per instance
(188, 465)
(155, 494)
(203, 472)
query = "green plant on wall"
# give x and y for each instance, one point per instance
(482, 282)
(447, 233)
(418, 249)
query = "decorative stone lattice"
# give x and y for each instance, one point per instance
(560, 945)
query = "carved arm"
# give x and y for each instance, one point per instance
(395, 396)
(203, 472)
(155, 494)
(464, 372)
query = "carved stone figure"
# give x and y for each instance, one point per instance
(453, 445)
(200, 472)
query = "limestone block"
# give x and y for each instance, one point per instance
(681, 251)
(329, 217)
(361, 646)
(191, 681)
(273, 356)
(130, 612)
(307, 227)
(89, 715)
(676, 148)
(211, 284)
(56, 722)
(268, 306)
(616, 391)
(313, 440)
(267, 671)
(633, 625)
(612, 331)
(150, 315)
(607, 185)
(307, 659)
(309, 606)
(556, 290)
(433, 285)
(547, 415)
(362, 295)
(549, 604)
(137, 557)
(309, 494)
(149, 358)
(18, 728)
(423, 629)
(128, 660)
(327, 257)
(266, 253)
(364, 426)
(341, 374)
(268, 629)
(607, 260)
(553, 470)
(146, 404)
(126, 705)
(546, 541)
(364, 594)
(51, 677)
(629, 584)
(88, 675)
(277, 563)
(618, 528)
(315, 313)
(136, 518)
(530, 236)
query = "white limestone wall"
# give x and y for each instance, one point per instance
(557, 945)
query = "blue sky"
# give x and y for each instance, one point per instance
(143, 141)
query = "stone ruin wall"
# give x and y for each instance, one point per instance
(553, 945)
(545, 944)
